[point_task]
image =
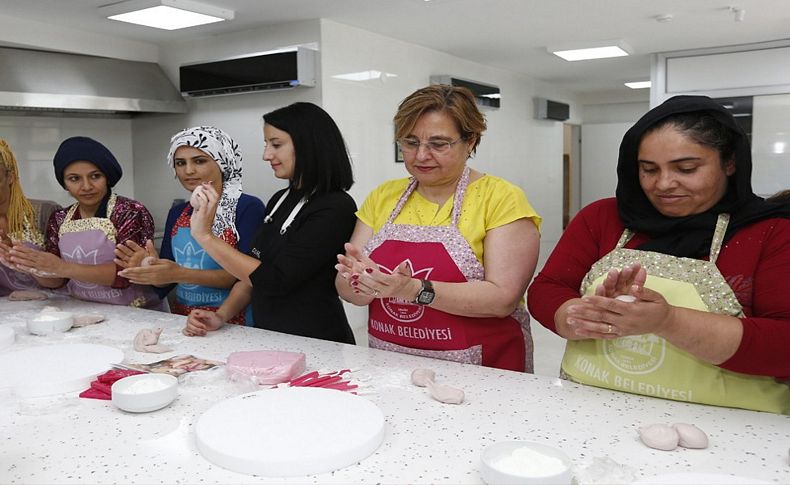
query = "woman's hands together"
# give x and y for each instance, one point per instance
(131, 255)
(204, 202)
(366, 278)
(159, 272)
(142, 265)
(200, 322)
(619, 282)
(611, 313)
(33, 261)
(5, 249)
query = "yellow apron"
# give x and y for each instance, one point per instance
(651, 366)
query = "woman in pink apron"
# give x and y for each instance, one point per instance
(701, 261)
(442, 259)
(81, 238)
(22, 221)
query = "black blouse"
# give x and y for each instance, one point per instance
(293, 290)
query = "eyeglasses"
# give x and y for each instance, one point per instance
(438, 147)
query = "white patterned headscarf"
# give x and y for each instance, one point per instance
(220, 146)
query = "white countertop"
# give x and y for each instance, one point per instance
(66, 439)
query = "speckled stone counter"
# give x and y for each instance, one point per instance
(65, 439)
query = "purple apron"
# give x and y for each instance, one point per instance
(12, 280)
(92, 241)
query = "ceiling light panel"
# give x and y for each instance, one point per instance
(582, 51)
(165, 14)
(591, 53)
(638, 84)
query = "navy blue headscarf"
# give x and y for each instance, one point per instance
(82, 148)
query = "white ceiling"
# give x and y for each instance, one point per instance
(509, 34)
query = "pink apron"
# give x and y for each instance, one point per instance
(11, 280)
(440, 253)
(92, 241)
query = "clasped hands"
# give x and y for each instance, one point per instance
(611, 313)
(142, 265)
(21, 257)
(365, 277)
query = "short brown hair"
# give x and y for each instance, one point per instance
(457, 102)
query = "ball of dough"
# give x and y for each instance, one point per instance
(421, 377)
(691, 436)
(659, 436)
(446, 394)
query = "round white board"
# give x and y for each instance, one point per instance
(55, 369)
(293, 431)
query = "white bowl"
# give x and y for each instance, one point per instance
(50, 322)
(525, 462)
(144, 392)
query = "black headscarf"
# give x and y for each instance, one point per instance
(689, 236)
(82, 148)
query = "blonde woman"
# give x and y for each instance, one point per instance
(21, 219)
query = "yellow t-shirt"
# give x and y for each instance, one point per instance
(489, 202)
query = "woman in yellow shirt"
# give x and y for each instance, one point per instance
(444, 257)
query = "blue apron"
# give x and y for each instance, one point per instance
(189, 254)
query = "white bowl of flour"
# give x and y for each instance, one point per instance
(525, 462)
(142, 393)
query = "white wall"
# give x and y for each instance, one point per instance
(35, 139)
(771, 144)
(17, 32)
(602, 131)
(762, 69)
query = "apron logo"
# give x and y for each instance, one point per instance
(81, 257)
(402, 310)
(636, 354)
(191, 258)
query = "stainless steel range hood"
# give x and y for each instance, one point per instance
(52, 81)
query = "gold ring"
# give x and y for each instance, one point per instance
(609, 328)
(375, 293)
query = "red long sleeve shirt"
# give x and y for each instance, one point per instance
(755, 262)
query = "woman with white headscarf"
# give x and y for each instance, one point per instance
(199, 155)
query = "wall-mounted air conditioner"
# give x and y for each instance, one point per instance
(546, 109)
(282, 69)
(486, 95)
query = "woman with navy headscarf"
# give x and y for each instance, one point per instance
(81, 238)
(198, 155)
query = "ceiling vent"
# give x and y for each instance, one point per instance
(32, 80)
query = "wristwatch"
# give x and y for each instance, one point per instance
(426, 294)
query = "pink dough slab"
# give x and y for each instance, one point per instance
(266, 366)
